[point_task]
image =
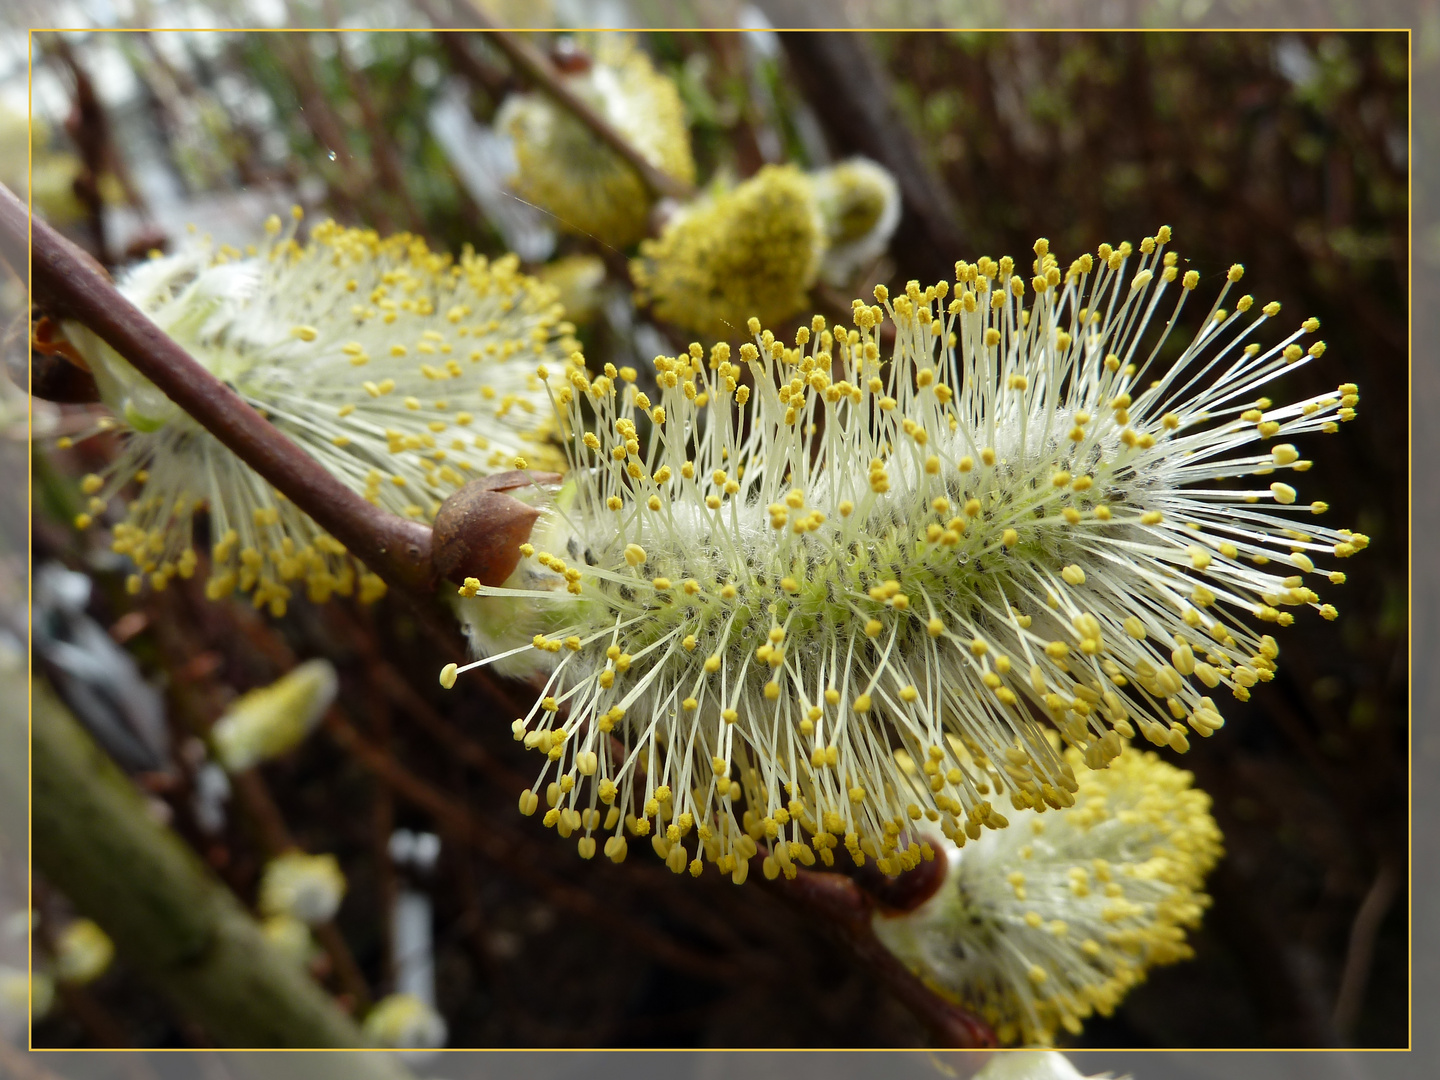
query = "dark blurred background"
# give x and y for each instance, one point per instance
(1286, 151)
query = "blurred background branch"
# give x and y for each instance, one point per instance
(538, 69)
(95, 839)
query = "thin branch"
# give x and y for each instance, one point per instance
(1361, 952)
(492, 80)
(536, 68)
(839, 903)
(348, 182)
(89, 126)
(384, 154)
(264, 817)
(197, 706)
(467, 751)
(66, 282)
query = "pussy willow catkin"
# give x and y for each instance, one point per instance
(1042, 924)
(402, 370)
(567, 171)
(751, 593)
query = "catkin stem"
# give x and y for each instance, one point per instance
(836, 899)
(538, 70)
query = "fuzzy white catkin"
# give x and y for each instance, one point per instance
(405, 1021)
(274, 719)
(404, 372)
(1036, 926)
(308, 888)
(753, 595)
(83, 952)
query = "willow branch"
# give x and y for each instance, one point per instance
(1361, 952)
(838, 902)
(66, 282)
(492, 80)
(537, 69)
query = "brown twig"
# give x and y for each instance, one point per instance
(473, 921)
(67, 282)
(196, 698)
(89, 126)
(384, 155)
(840, 904)
(102, 1028)
(466, 750)
(347, 182)
(253, 797)
(354, 991)
(729, 51)
(534, 65)
(493, 81)
(388, 680)
(1361, 951)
